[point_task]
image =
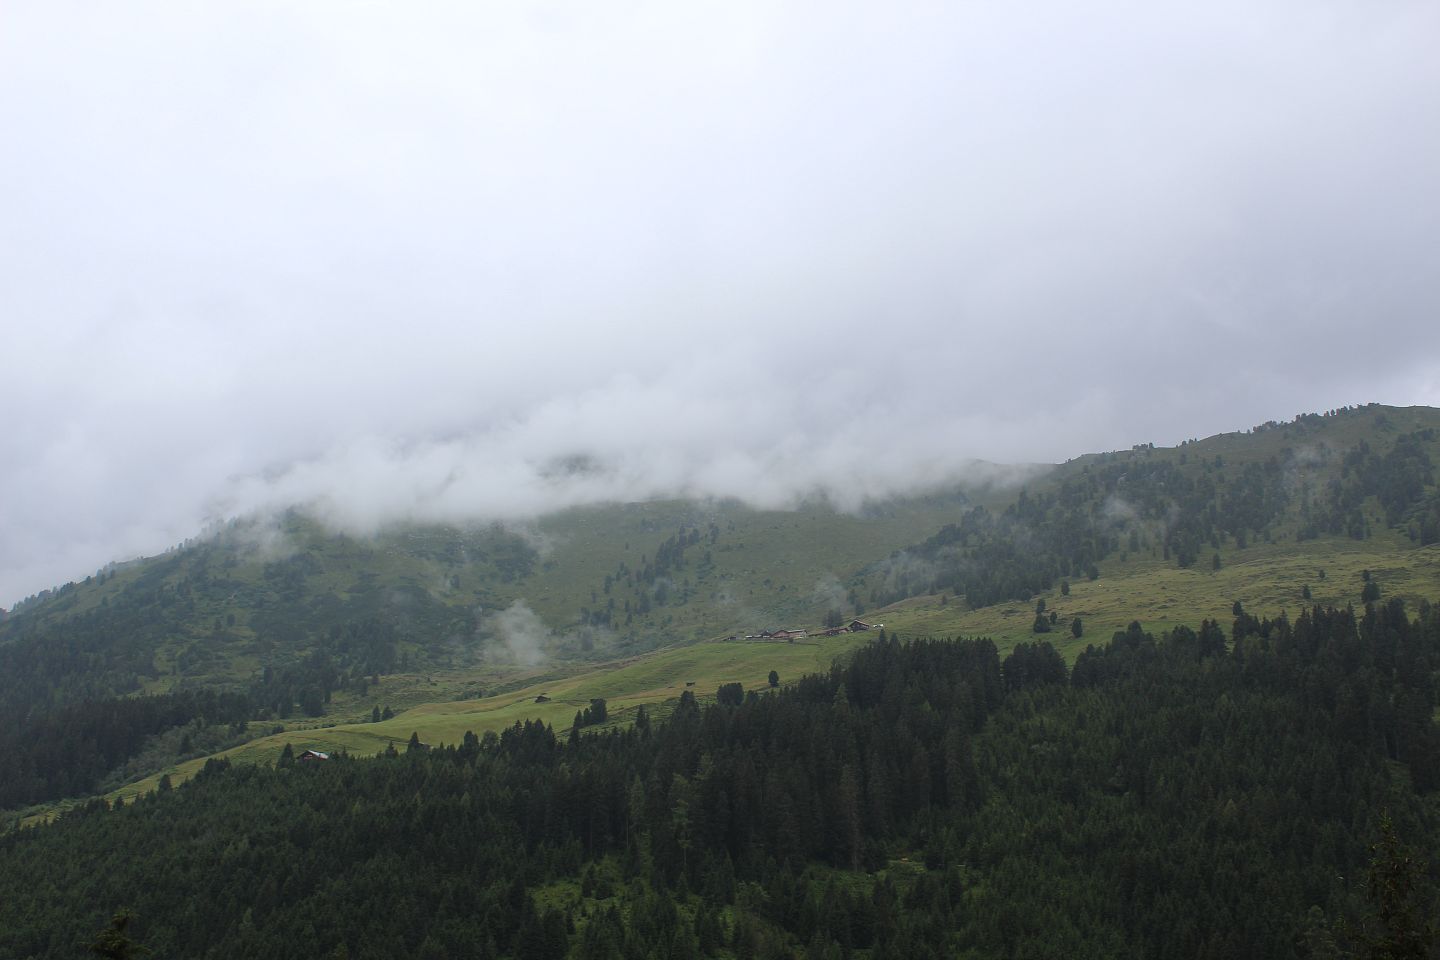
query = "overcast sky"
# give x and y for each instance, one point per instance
(403, 260)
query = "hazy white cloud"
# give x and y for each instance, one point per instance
(522, 636)
(403, 259)
(830, 592)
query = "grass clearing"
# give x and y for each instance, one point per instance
(648, 680)
(1267, 579)
(751, 569)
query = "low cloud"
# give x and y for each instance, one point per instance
(518, 635)
(664, 445)
(906, 574)
(830, 593)
(1116, 509)
(521, 636)
(256, 537)
(482, 261)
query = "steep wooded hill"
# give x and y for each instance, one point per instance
(288, 622)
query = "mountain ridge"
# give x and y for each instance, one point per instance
(302, 623)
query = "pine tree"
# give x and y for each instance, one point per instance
(114, 942)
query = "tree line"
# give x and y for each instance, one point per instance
(1208, 792)
(1181, 509)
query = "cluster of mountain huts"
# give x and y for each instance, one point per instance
(854, 626)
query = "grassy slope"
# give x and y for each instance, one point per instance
(651, 680)
(766, 565)
(794, 551)
(766, 570)
(1268, 579)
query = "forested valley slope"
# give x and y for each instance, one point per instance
(1211, 793)
(1200, 723)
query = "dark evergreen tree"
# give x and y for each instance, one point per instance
(114, 941)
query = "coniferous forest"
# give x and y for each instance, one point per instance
(545, 481)
(183, 655)
(1258, 786)
(1250, 790)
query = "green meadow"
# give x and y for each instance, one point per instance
(227, 608)
(1268, 580)
(650, 680)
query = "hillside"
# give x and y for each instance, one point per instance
(622, 579)
(1177, 796)
(312, 631)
